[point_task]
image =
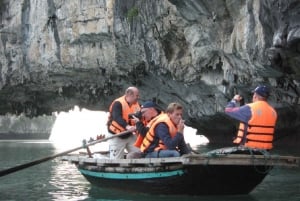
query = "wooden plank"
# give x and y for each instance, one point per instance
(229, 159)
(240, 159)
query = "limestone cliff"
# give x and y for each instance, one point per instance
(59, 53)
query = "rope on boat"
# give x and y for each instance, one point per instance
(267, 157)
(251, 151)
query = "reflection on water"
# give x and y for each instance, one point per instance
(51, 180)
(67, 183)
(96, 193)
(280, 184)
(57, 180)
(29, 180)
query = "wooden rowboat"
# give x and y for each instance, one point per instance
(233, 170)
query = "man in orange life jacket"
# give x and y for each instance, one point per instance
(119, 121)
(149, 111)
(165, 135)
(257, 120)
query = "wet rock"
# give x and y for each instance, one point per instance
(57, 54)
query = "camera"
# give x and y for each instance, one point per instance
(138, 115)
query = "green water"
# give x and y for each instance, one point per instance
(57, 180)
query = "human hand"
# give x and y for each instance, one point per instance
(180, 126)
(130, 128)
(135, 119)
(237, 98)
(101, 136)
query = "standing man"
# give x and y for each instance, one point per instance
(119, 121)
(165, 135)
(257, 120)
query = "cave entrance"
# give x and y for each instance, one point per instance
(72, 127)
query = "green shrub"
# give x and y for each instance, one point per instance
(133, 12)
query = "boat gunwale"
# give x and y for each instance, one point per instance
(191, 159)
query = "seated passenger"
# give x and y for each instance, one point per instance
(165, 136)
(149, 111)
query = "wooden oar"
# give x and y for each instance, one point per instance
(35, 162)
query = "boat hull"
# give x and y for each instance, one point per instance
(226, 171)
(190, 180)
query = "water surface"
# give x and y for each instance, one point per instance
(57, 180)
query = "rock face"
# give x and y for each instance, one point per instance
(57, 54)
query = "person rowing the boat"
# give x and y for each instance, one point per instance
(119, 121)
(165, 135)
(257, 119)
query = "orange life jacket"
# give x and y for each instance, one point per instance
(260, 128)
(140, 138)
(150, 136)
(113, 126)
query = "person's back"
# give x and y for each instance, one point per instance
(261, 126)
(257, 120)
